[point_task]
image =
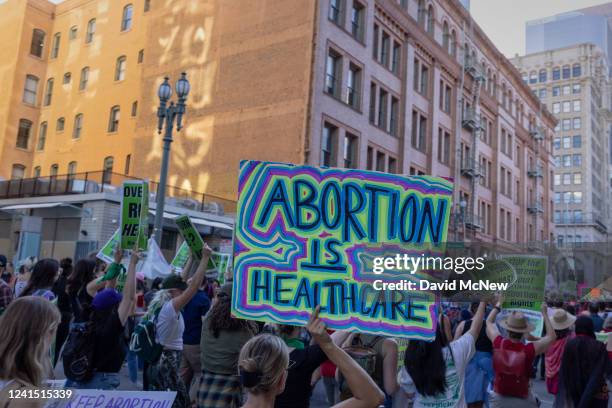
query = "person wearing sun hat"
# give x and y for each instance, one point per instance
(562, 322)
(513, 359)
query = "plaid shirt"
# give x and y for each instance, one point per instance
(6, 295)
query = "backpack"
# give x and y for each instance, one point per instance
(143, 340)
(511, 369)
(78, 352)
(366, 356)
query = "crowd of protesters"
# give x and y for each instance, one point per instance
(211, 359)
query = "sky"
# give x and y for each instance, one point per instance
(504, 20)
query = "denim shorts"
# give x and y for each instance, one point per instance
(99, 381)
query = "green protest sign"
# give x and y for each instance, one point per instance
(134, 214)
(191, 235)
(181, 257)
(107, 252)
(526, 294)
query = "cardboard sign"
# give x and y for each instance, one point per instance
(191, 235)
(102, 398)
(526, 294)
(107, 252)
(301, 231)
(181, 257)
(134, 214)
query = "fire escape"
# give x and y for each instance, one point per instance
(535, 205)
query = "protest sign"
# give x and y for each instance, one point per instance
(107, 252)
(134, 214)
(105, 398)
(191, 235)
(297, 232)
(181, 257)
(526, 293)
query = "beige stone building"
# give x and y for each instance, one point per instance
(573, 83)
(403, 86)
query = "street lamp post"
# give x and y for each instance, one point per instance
(167, 114)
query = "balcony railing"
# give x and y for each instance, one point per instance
(473, 221)
(537, 171)
(471, 119)
(535, 207)
(585, 219)
(474, 68)
(103, 181)
(470, 167)
(536, 132)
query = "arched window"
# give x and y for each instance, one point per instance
(489, 81)
(54, 170)
(57, 37)
(576, 70)
(48, 92)
(495, 85)
(120, 68)
(556, 73)
(42, 136)
(422, 11)
(30, 90)
(38, 43)
(453, 44)
(72, 167)
(533, 77)
(36, 172)
(23, 134)
(565, 72)
(446, 37)
(91, 30)
(107, 169)
(78, 126)
(113, 119)
(61, 123)
(126, 18)
(430, 20)
(18, 171)
(543, 77)
(67, 78)
(504, 95)
(84, 78)
(72, 35)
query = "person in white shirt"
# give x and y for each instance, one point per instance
(435, 371)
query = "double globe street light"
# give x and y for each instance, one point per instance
(166, 114)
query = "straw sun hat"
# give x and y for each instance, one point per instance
(517, 322)
(562, 320)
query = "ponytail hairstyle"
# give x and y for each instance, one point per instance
(425, 363)
(262, 364)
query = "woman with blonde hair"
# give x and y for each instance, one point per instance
(28, 328)
(264, 361)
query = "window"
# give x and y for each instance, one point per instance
(59, 126)
(354, 86)
(147, 7)
(556, 91)
(533, 77)
(577, 141)
(577, 178)
(557, 179)
(72, 34)
(126, 19)
(375, 42)
(23, 134)
(380, 161)
(395, 57)
(56, 45)
(67, 78)
(566, 142)
(557, 143)
(566, 124)
(392, 165)
(576, 70)
(577, 160)
(443, 146)
(372, 115)
(357, 19)
(422, 12)
(48, 93)
(30, 90)
(566, 107)
(18, 172)
(38, 43)
(542, 76)
(421, 76)
(577, 197)
(576, 88)
(370, 159)
(385, 49)
(430, 23)
(332, 77)
(542, 94)
(576, 105)
(107, 168)
(328, 143)
(350, 151)
(556, 107)
(419, 131)
(335, 11)
(42, 136)
(140, 56)
(394, 119)
(567, 160)
(72, 166)
(557, 198)
(120, 68)
(556, 74)
(84, 78)
(567, 179)
(382, 109)
(78, 126)
(53, 171)
(576, 123)
(91, 30)
(565, 72)
(134, 108)
(36, 172)
(577, 217)
(565, 90)
(128, 162)
(453, 49)
(113, 121)
(446, 37)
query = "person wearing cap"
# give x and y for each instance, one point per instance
(513, 359)
(584, 368)
(110, 311)
(222, 338)
(562, 322)
(165, 309)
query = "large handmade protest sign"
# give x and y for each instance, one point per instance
(300, 231)
(134, 214)
(526, 293)
(81, 398)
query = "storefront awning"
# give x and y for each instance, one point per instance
(199, 221)
(31, 206)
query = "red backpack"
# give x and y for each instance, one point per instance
(511, 372)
